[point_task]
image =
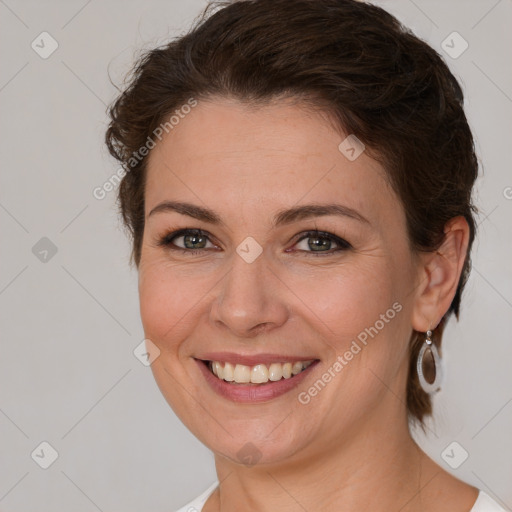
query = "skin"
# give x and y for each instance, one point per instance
(246, 164)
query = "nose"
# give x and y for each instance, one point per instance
(250, 300)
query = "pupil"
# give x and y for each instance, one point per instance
(319, 243)
(190, 240)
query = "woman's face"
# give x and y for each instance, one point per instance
(259, 286)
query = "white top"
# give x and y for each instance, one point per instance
(483, 503)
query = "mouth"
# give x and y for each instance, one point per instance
(260, 382)
(258, 374)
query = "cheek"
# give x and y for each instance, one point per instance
(347, 299)
(169, 302)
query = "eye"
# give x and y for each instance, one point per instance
(321, 242)
(195, 241)
(186, 240)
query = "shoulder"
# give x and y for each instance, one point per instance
(197, 504)
(484, 503)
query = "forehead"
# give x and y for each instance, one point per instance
(279, 154)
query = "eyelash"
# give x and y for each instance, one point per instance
(166, 241)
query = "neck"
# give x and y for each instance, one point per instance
(378, 468)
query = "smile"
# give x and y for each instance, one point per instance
(257, 374)
(257, 383)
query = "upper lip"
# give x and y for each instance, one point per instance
(252, 359)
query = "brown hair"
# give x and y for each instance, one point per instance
(351, 59)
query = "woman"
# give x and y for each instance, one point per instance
(298, 188)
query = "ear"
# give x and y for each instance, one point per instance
(438, 276)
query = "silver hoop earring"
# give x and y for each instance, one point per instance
(430, 384)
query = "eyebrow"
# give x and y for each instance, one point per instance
(283, 217)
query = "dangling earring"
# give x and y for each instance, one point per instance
(429, 383)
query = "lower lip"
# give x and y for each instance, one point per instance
(252, 393)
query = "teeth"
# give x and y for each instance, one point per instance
(229, 372)
(275, 371)
(287, 370)
(297, 368)
(257, 374)
(218, 370)
(242, 374)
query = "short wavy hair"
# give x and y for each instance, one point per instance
(353, 61)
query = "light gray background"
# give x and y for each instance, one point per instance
(70, 324)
